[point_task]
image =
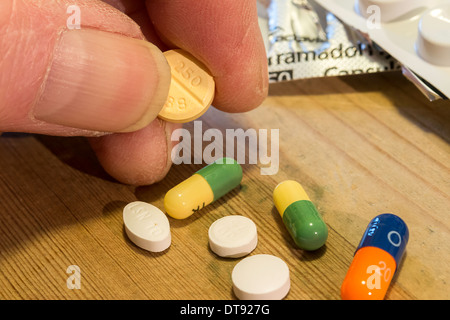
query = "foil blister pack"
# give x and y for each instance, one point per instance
(415, 32)
(320, 38)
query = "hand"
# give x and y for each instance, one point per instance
(108, 80)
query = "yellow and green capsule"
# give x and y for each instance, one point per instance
(202, 188)
(300, 216)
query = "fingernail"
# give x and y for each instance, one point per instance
(104, 82)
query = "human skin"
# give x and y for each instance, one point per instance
(109, 80)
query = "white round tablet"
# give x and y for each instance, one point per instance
(147, 226)
(433, 41)
(261, 277)
(232, 236)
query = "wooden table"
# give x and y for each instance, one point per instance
(360, 145)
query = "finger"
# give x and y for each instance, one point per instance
(225, 35)
(137, 158)
(137, 11)
(127, 6)
(103, 77)
(141, 157)
(143, 20)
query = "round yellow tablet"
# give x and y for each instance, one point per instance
(191, 90)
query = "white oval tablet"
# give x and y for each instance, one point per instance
(433, 42)
(232, 236)
(261, 277)
(147, 226)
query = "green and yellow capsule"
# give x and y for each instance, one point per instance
(300, 216)
(202, 188)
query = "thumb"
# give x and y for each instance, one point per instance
(103, 77)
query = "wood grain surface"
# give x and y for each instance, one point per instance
(360, 145)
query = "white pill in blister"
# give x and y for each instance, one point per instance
(232, 236)
(433, 43)
(261, 277)
(387, 10)
(147, 226)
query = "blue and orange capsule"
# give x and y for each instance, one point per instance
(376, 259)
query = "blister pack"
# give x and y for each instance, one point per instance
(415, 32)
(304, 40)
